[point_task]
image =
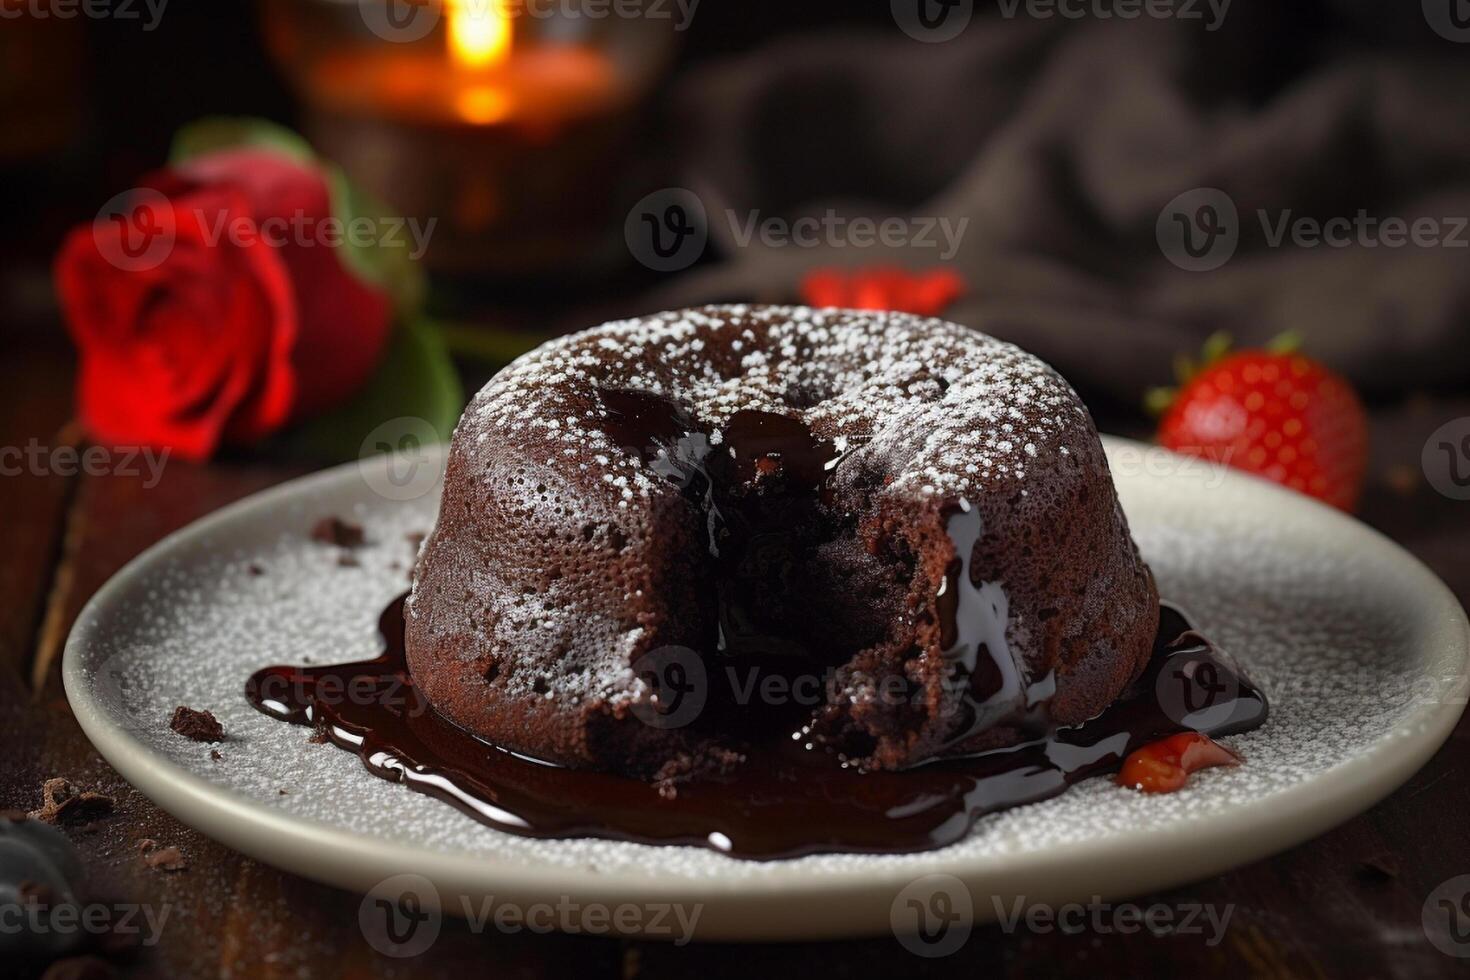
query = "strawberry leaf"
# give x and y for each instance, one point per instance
(1185, 368)
(1156, 401)
(1217, 345)
(1288, 342)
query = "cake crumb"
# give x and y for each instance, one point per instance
(201, 726)
(161, 858)
(334, 530)
(64, 803)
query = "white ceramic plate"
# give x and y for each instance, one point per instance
(1361, 650)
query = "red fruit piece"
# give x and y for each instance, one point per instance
(926, 293)
(1280, 415)
(1165, 765)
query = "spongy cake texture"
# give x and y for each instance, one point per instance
(561, 557)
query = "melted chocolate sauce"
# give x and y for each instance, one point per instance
(783, 801)
(759, 484)
(972, 630)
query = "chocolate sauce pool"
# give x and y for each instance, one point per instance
(784, 801)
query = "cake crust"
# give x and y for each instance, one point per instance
(956, 570)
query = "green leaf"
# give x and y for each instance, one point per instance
(1217, 345)
(389, 265)
(385, 262)
(1156, 401)
(216, 133)
(416, 381)
(495, 347)
(1185, 368)
(1288, 342)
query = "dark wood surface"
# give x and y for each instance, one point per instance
(1346, 904)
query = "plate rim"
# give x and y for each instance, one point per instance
(776, 906)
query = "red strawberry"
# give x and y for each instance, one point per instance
(1275, 413)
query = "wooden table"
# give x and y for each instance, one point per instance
(1347, 903)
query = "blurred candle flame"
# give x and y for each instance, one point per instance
(479, 39)
(479, 32)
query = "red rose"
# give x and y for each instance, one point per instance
(216, 307)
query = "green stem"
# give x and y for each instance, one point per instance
(488, 345)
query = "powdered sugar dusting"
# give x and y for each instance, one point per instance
(950, 408)
(1330, 621)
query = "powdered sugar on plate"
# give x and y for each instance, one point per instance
(1332, 626)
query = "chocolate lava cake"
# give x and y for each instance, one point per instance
(912, 514)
